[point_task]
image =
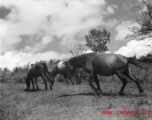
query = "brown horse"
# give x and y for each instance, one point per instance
(61, 68)
(104, 64)
(38, 70)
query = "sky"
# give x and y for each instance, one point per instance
(34, 30)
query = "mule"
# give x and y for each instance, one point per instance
(105, 65)
(38, 70)
(61, 68)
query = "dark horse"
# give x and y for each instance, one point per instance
(38, 70)
(104, 64)
(61, 68)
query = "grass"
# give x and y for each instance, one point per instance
(73, 102)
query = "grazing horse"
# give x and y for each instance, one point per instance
(38, 70)
(61, 68)
(106, 65)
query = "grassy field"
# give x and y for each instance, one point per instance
(74, 102)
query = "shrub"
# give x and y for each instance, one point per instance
(6, 75)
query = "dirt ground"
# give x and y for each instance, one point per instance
(74, 102)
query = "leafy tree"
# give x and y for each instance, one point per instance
(145, 22)
(97, 40)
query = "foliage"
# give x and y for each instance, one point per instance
(97, 40)
(19, 74)
(5, 75)
(145, 22)
(139, 74)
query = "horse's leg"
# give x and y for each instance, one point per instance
(80, 75)
(28, 84)
(36, 83)
(66, 79)
(77, 75)
(124, 81)
(48, 79)
(97, 82)
(127, 74)
(51, 78)
(71, 81)
(33, 84)
(91, 83)
(44, 79)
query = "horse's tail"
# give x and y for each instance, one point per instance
(136, 63)
(146, 60)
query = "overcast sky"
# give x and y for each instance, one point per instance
(33, 30)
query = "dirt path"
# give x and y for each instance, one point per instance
(77, 102)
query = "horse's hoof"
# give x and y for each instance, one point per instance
(26, 90)
(142, 94)
(141, 91)
(121, 94)
(98, 93)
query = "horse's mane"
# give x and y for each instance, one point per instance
(80, 58)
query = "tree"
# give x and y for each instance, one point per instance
(145, 22)
(97, 40)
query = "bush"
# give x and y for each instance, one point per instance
(6, 75)
(19, 74)
(139, 74)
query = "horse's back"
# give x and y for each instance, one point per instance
(109, 58)
(107, 64)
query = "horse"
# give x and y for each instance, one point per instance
(38, 70)
(105, 65)
(61, 68)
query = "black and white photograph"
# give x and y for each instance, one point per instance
(75, 59)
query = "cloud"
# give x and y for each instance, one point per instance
(110, 9)
(111, 23)
(63, 19)
(22, 58)
(39, 45)
(136, 48)
(122, 29)
(4, 12)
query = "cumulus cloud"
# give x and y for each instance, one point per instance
(111, 23)
(37, 47)
(45, 21)
(122, 29)
(136, 48)
(111, 9)
(12, 59)
(63, 19)
(90, 51)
